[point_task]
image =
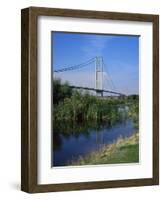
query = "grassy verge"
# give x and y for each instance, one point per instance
(124, 150)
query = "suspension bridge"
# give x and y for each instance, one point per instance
(98, 76)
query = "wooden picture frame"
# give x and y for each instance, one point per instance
(29, 172)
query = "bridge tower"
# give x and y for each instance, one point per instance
(99, 76)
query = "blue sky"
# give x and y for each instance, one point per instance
(120, 55)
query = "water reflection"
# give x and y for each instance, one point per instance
(71, 140)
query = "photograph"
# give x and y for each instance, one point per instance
(95, 102)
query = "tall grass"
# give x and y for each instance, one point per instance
(78, 106)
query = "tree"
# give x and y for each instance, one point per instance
(60, 91)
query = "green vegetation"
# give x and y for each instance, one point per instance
(124, 150)
(60, 91)
(76, 112)
(78, 106)
(134, 113)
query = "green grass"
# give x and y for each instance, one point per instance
(125, 154)
(124, 150)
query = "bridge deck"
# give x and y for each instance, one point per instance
(97, 90)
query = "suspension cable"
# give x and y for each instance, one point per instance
(74, 67)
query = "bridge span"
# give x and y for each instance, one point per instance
(97, 90)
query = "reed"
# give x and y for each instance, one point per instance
(79, 106)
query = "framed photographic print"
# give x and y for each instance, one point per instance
(90, 99)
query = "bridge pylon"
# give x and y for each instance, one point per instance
(99, 75)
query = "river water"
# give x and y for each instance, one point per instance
(81, 141)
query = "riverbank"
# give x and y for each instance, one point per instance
(124, 150)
